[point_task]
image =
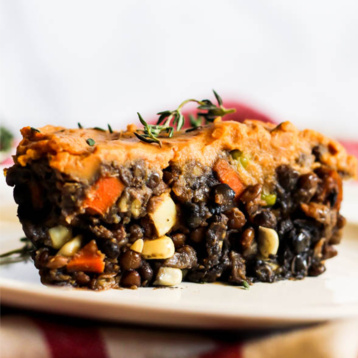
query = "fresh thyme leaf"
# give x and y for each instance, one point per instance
(245, 285)
(171, 131)
(110, 128)
(151, 132)
(21, 254)
(145, 139)
(168, 121)
(145, 124)
(218, 98)
(181, 121)
(79, 125)
(195, 122)
(90, 142)
(35, 130)
(193, 129)
(164, 112)
(162, 118)
(207, 107)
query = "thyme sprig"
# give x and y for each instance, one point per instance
(151, 132)
(169, 121)
(17, 255)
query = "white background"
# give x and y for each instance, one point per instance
(102, 61)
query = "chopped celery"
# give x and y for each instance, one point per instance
(269, 198)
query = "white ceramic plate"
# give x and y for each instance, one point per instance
(332, 295)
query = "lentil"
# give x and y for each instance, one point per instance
(131, 279)
(130, 260)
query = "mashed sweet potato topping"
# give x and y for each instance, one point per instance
(265, 145)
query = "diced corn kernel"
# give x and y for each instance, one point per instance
(161, 248)
(138, 246)
(123, 204)
(135, 208)
(168, 276)
(164, 214)
(59, 235)
(70, 248)
(268, 241)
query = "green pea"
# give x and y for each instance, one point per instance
(236, 154)
(240, 156)
(244, 161)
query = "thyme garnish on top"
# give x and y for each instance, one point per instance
(169, 121)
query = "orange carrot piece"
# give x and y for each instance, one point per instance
(229, 176)
(88, 259)
(103, 195)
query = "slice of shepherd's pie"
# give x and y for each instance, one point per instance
(231, 202)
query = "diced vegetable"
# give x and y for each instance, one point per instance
(268, 241)
(269, 198)
(71, 247)
(57, 261)
(137, 245)
(229, 176)
(103, 195)
(244, 160)
(236, 154)
(161, 248)
(59, 235)
(240, 156)
(163, 213)
(135, 208)
(168, 276)
(88, 259)
(123, 204)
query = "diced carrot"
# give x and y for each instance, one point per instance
(88, 259)
(103, 195)
(229, 176)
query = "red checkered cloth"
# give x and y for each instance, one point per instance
(26, 334)
(55, 337)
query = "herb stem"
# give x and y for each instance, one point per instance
(181, 105)
(12, 252)
(17, 255)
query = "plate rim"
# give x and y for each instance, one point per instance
(42, 297)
